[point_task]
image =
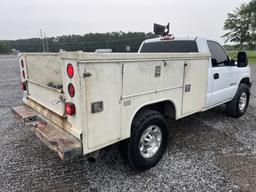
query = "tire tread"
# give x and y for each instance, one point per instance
(139, 119)
(232, 106)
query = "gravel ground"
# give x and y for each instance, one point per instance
(210, 152)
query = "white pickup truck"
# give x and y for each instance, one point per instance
(82, 102)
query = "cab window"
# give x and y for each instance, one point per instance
(218, 55)
(181, 46)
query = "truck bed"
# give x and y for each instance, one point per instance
(125, 82)
(111, 88)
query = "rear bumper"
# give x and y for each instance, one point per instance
(67, 146)
(57, 139)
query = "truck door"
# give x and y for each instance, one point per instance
(103, 104)
(195, 86)
(222, 76)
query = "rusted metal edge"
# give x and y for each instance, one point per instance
(67, 146)
(50, 115)
(24, 114)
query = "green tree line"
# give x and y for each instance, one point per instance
(4, 47)
(117, 41)
(241, 26)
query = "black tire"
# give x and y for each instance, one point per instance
(130, 148)
(232, 107)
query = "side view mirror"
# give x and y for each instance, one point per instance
(242, 60)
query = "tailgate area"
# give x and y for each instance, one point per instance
(66, 145)
(43, 75)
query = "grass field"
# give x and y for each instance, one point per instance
(251, 56)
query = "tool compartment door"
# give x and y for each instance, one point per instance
(102, 89)
(195, 86)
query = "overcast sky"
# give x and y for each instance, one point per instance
(24, 18)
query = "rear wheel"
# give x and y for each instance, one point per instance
(238, 106)
(148, 140)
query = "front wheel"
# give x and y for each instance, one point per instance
(238, 106)
(148, 140)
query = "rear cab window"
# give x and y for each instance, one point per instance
(178, 46)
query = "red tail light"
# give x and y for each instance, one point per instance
(70, 109)
(22, 63)
(70, 70)
(23, 86)
(71, 90)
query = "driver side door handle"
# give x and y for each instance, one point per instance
(216, 76)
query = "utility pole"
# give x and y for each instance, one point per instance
(46, 43)
(41, 34)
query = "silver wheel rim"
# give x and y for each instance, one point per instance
(242, 101)
(150, 141)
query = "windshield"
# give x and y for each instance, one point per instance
(185, 46)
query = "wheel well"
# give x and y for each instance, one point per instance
(246, 81)
(166, 108)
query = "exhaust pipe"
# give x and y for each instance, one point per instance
(92, 157)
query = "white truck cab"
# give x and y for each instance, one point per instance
(82, 102)
(224, 75)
